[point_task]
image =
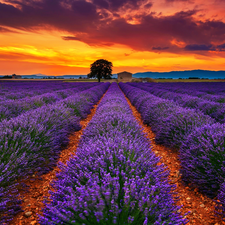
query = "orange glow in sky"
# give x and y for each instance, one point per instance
(65, 36)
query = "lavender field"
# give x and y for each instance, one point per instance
(114, 176)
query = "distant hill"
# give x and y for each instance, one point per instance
(39, 75)
(183, 74)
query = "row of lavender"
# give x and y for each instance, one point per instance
(209, 91)
(213, 109)
(214, 88)
(13, 108)
(114, 177)
(32, 141)
(18, 90)
(199, 139)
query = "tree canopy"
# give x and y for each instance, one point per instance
(101, 68)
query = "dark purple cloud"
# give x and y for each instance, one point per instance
(221, 47)
(100, 23)
(79, 17)
(70, 38)
(196, 47)
(160, 48)
(114, 5)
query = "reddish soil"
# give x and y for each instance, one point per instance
(201, 208)
(32, 201)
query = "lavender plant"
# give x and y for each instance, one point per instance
(220, 207)
(9, 205)
(178, 125)
(203, 159)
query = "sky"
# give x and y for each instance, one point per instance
(59, 37)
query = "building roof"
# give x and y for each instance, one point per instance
(124, 72)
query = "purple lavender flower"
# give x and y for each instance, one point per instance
(202, 158)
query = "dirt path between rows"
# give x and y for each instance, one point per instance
(200, 207)
(32, 201)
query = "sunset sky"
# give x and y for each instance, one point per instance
(58, 37)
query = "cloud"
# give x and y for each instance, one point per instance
(202, 47)
(4, 30)
(221, 47)
(172, 1)
(47, 13)
(196, 47)
(70, 38)
(158, 31)
(22, 57)
(108, 22)
(114, 5)
(160, 48)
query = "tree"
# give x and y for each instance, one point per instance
(101, 68)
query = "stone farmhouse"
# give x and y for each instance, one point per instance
(124, 77)
(14, 76)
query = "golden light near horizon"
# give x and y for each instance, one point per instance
(143, 38)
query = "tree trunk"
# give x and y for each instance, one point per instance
(99, 79)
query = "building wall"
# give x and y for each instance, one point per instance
(124, 77)
(16, 77)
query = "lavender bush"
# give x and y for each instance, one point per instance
(178, 125)
(220, 207)
(155, 110)
(203, 159)
(9, 204)
(114, 177)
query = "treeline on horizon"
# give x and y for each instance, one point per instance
(47, 77)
